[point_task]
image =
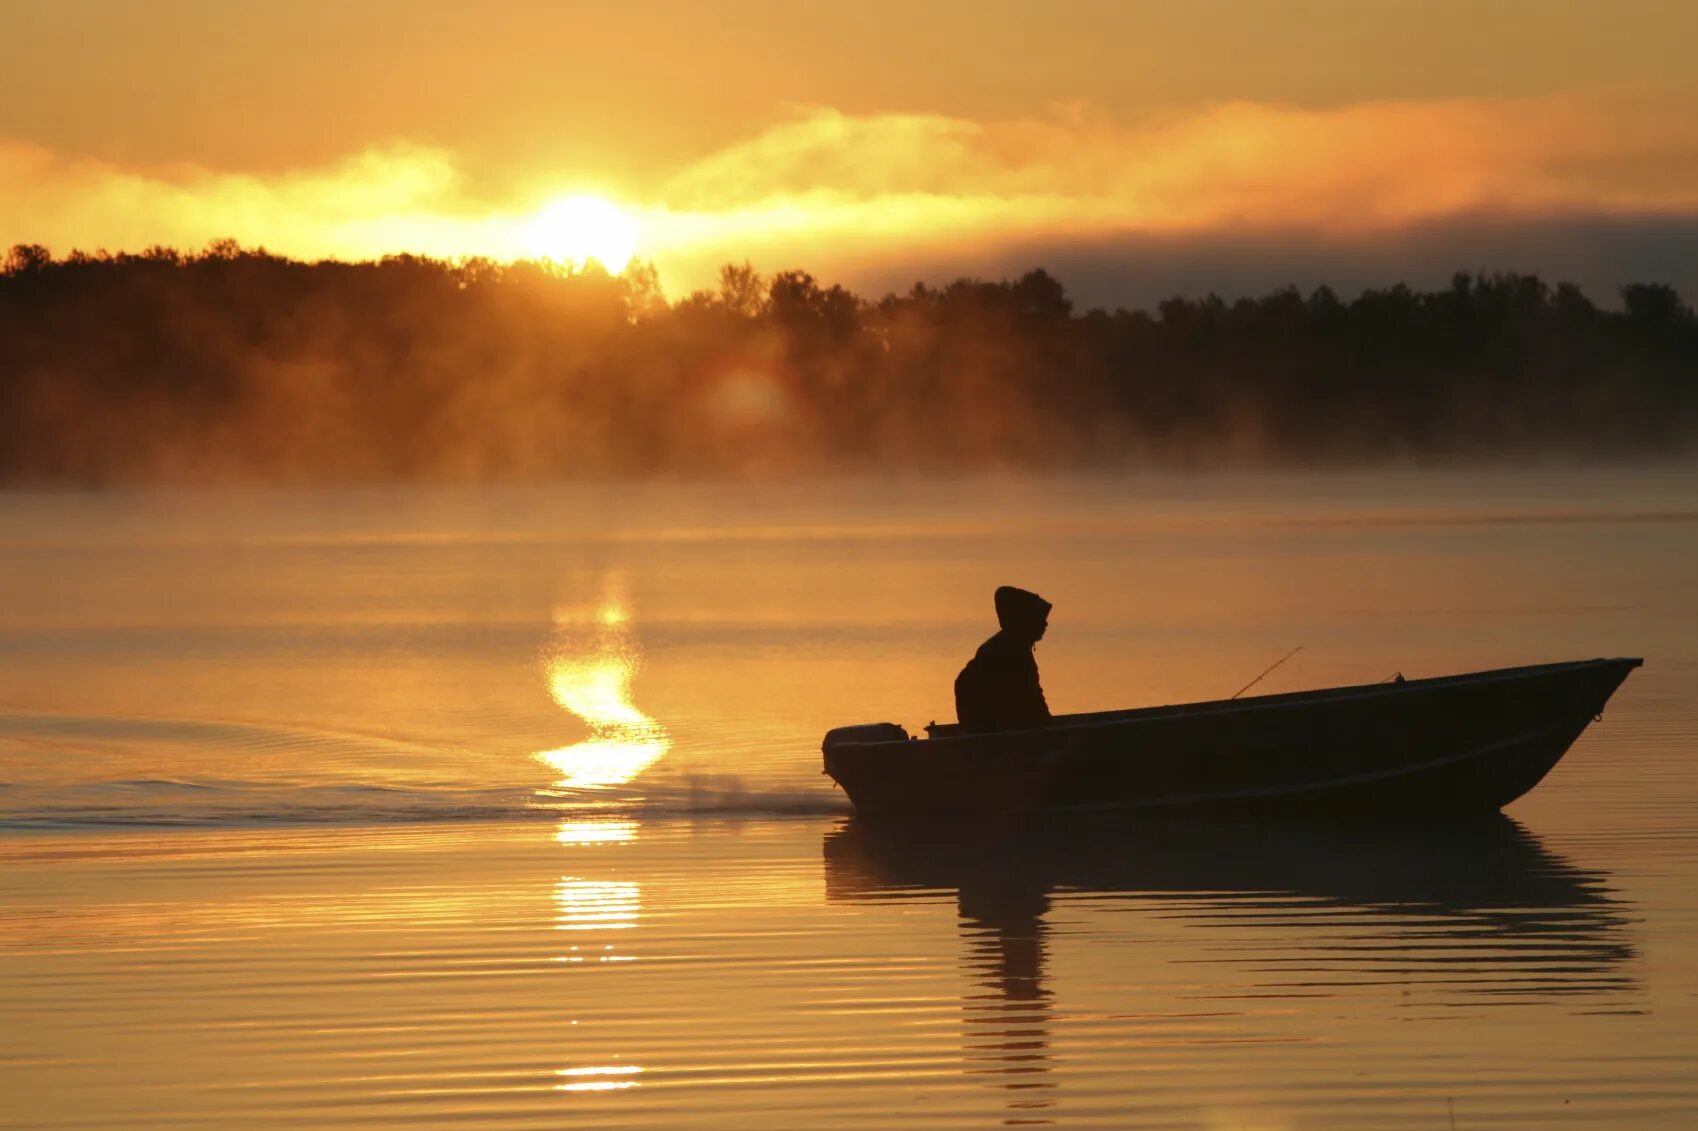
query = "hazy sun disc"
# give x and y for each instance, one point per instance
(577, 229)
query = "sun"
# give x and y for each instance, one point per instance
(577, 229)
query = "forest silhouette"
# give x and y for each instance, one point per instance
(237, 365)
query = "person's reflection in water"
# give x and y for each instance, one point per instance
(1007, 1029)
(999, 688)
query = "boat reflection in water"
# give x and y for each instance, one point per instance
(590, 668)
(1477, 912)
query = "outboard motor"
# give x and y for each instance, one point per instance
(863, 734)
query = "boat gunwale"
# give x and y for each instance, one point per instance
(1215, 707)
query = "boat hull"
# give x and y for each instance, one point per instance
(1460, 744)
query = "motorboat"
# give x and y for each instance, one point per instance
(1457, 745)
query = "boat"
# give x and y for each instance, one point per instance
(1454, 745)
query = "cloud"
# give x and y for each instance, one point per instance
(389, 198)
(1354, 169)
(1226, 197)
(859, 198)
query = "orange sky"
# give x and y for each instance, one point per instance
(861, 142)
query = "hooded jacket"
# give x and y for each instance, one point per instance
(999, 689)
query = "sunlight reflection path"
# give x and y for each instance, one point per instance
(596, 905)
(593, 661)
(598, 1085)
(584, 907)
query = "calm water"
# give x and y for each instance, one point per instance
(503, 808)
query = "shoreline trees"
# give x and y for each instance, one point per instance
(237, 365)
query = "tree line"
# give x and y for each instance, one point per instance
(235, 364)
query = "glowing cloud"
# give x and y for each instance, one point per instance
(828, 191)
(841, 187)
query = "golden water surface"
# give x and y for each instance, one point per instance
(502, 808)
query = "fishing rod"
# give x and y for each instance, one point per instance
(1270, 668)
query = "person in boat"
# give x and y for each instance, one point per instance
(999, 689)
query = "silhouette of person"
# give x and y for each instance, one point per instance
(999, 689)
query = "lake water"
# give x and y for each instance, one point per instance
(503, 808)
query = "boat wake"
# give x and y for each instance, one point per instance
(40, 749)
(224, 803)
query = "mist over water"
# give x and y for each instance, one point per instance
(505, 804)
(418, 653)
(238, 367)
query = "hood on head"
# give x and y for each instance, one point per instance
(1017, 609)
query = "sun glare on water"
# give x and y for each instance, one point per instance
(589, 674)
(577, 229)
